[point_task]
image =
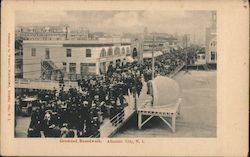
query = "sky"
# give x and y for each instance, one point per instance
(181, 22)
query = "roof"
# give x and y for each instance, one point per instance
(148, 54)
(77, 43)
(200, 52)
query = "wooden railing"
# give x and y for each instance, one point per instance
(172, 74)
(118, 118)
(42, 84)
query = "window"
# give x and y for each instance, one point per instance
(214, 17)
(198, 56)
(128, 50)
(88, 52)
(84, 68)
(68, 52)
(117, 51)
(203, 56)
(213, 55)
(213, 43)
(110, 51)
(64, 66)
(103, 53)
(123, 51)
(88, 68)
(92, 68)
(47, 53)
(134, 54)
(72, 68)
(33, 51)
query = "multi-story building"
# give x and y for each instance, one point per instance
(80, 34)
(52, 33)
(71, 58)
(43, 33)
(211, 42)
(147, 42)
(18, 59)
(200, 57)
(160, 42)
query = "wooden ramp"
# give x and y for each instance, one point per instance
(108, 128)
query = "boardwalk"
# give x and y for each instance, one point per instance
(198, 110)
(108, 130)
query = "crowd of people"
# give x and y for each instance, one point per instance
(164, 64)
(81, 110)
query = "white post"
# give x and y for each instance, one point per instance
(98, 67)
(139, 120)
(173, 122)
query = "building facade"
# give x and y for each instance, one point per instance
(200, 57)
(71, 59)
(18, 59)
(63, 32)
(211, 41)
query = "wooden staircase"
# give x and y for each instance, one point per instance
(49, 69)
(206, 67)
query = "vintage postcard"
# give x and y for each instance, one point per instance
(124, 78)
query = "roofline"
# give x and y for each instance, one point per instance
(73, 42)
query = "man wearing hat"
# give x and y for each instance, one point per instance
(113, 110)
(35, 124)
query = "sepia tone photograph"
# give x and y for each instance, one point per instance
(124, 78)
(119, 74)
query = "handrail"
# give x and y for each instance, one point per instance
(176, 70)
(96, 136)
(116, 116)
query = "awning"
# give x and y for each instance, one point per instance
(148, 54)
(129, 59)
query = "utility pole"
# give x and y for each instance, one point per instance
(186, 52)
(142, 48)
(153, 58)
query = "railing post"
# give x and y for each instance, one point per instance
(135, 100)
(139, 120)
